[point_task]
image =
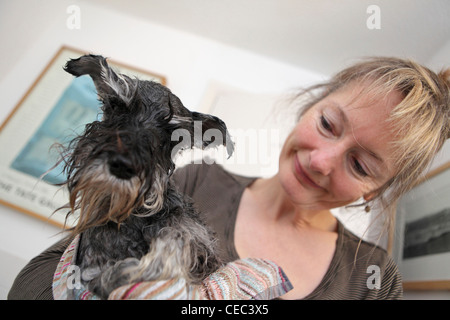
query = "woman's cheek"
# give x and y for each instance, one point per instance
(348, 188)
(305, 136)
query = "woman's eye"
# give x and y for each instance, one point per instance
(326, 124)
(359, 168)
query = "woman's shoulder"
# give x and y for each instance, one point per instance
(193, 176)
(356, 249)
(216, 193)
(367, 268)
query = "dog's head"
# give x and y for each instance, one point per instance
(123, 162)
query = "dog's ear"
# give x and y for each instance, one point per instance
(214, 131)
(202, 129)
(107, 82)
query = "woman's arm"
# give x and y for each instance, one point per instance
(34, 282)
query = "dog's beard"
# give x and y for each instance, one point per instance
(98, 197)
(155, 198)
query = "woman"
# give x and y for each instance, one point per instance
(367, 133)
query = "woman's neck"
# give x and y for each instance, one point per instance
(273, 201)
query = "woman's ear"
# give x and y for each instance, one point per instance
(369, 196)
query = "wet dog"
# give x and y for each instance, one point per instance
(134, 224)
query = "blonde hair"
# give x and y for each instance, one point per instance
(420, 121)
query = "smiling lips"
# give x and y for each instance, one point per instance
(303, 176)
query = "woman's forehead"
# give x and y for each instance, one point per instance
(363, 95)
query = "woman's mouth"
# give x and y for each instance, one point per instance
(303, 177)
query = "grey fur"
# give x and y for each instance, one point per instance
(134, 224)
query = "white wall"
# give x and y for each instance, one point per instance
(32, 32)
(441, 60)
(437, 62)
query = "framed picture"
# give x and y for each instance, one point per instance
(423, 231)
(54, 110)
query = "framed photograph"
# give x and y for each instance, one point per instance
(54, 110)
(423, 231)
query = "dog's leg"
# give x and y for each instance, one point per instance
(185, 249)
(163, 262)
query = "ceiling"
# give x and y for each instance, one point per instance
(319, 35)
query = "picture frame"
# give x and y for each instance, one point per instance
(53, 110)
(422, 247)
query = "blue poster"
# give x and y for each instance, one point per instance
(77, 106)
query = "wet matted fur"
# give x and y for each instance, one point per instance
(134, 224)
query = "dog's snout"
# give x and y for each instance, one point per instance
(121, 167)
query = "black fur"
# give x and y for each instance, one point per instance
(134, 224)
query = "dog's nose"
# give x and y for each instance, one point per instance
(121, 167)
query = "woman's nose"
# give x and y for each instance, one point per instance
(324, 160)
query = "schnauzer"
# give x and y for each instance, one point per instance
(134, 224)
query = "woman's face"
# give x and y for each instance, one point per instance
(339, 151)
